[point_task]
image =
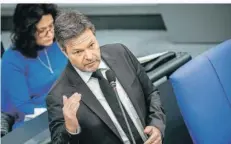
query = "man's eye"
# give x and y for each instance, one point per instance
(92, 45)
(78, 52)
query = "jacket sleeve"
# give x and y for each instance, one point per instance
(156, 115)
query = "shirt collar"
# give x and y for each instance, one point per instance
(87, 75)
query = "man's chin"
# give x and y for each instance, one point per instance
(90, 69)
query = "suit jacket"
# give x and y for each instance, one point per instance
(96, 125)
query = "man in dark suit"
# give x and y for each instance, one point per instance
(82, 106)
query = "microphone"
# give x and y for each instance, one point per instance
(112, 80)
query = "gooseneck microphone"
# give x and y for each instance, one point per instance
(112, 80)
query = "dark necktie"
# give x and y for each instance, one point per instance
(110, 96)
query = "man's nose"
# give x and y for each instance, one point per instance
(88, 55)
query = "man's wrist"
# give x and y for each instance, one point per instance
(70, 127)
(75, 132)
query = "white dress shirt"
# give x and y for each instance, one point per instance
(93, 84)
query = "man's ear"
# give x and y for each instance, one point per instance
(64, 52)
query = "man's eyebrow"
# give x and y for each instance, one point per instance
(91, 41)
(77, 49)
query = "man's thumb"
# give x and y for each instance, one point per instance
(64, 99)
(148, 130)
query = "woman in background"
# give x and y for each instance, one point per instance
(33, 63)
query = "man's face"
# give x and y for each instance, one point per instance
(84, 52)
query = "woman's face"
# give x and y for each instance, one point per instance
(45, 31)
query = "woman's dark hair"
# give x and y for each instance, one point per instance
(25, 18)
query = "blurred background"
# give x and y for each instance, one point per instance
(149, 28)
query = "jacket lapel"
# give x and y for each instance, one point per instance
(89, 99)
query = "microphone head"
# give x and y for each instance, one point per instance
(110, 76)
